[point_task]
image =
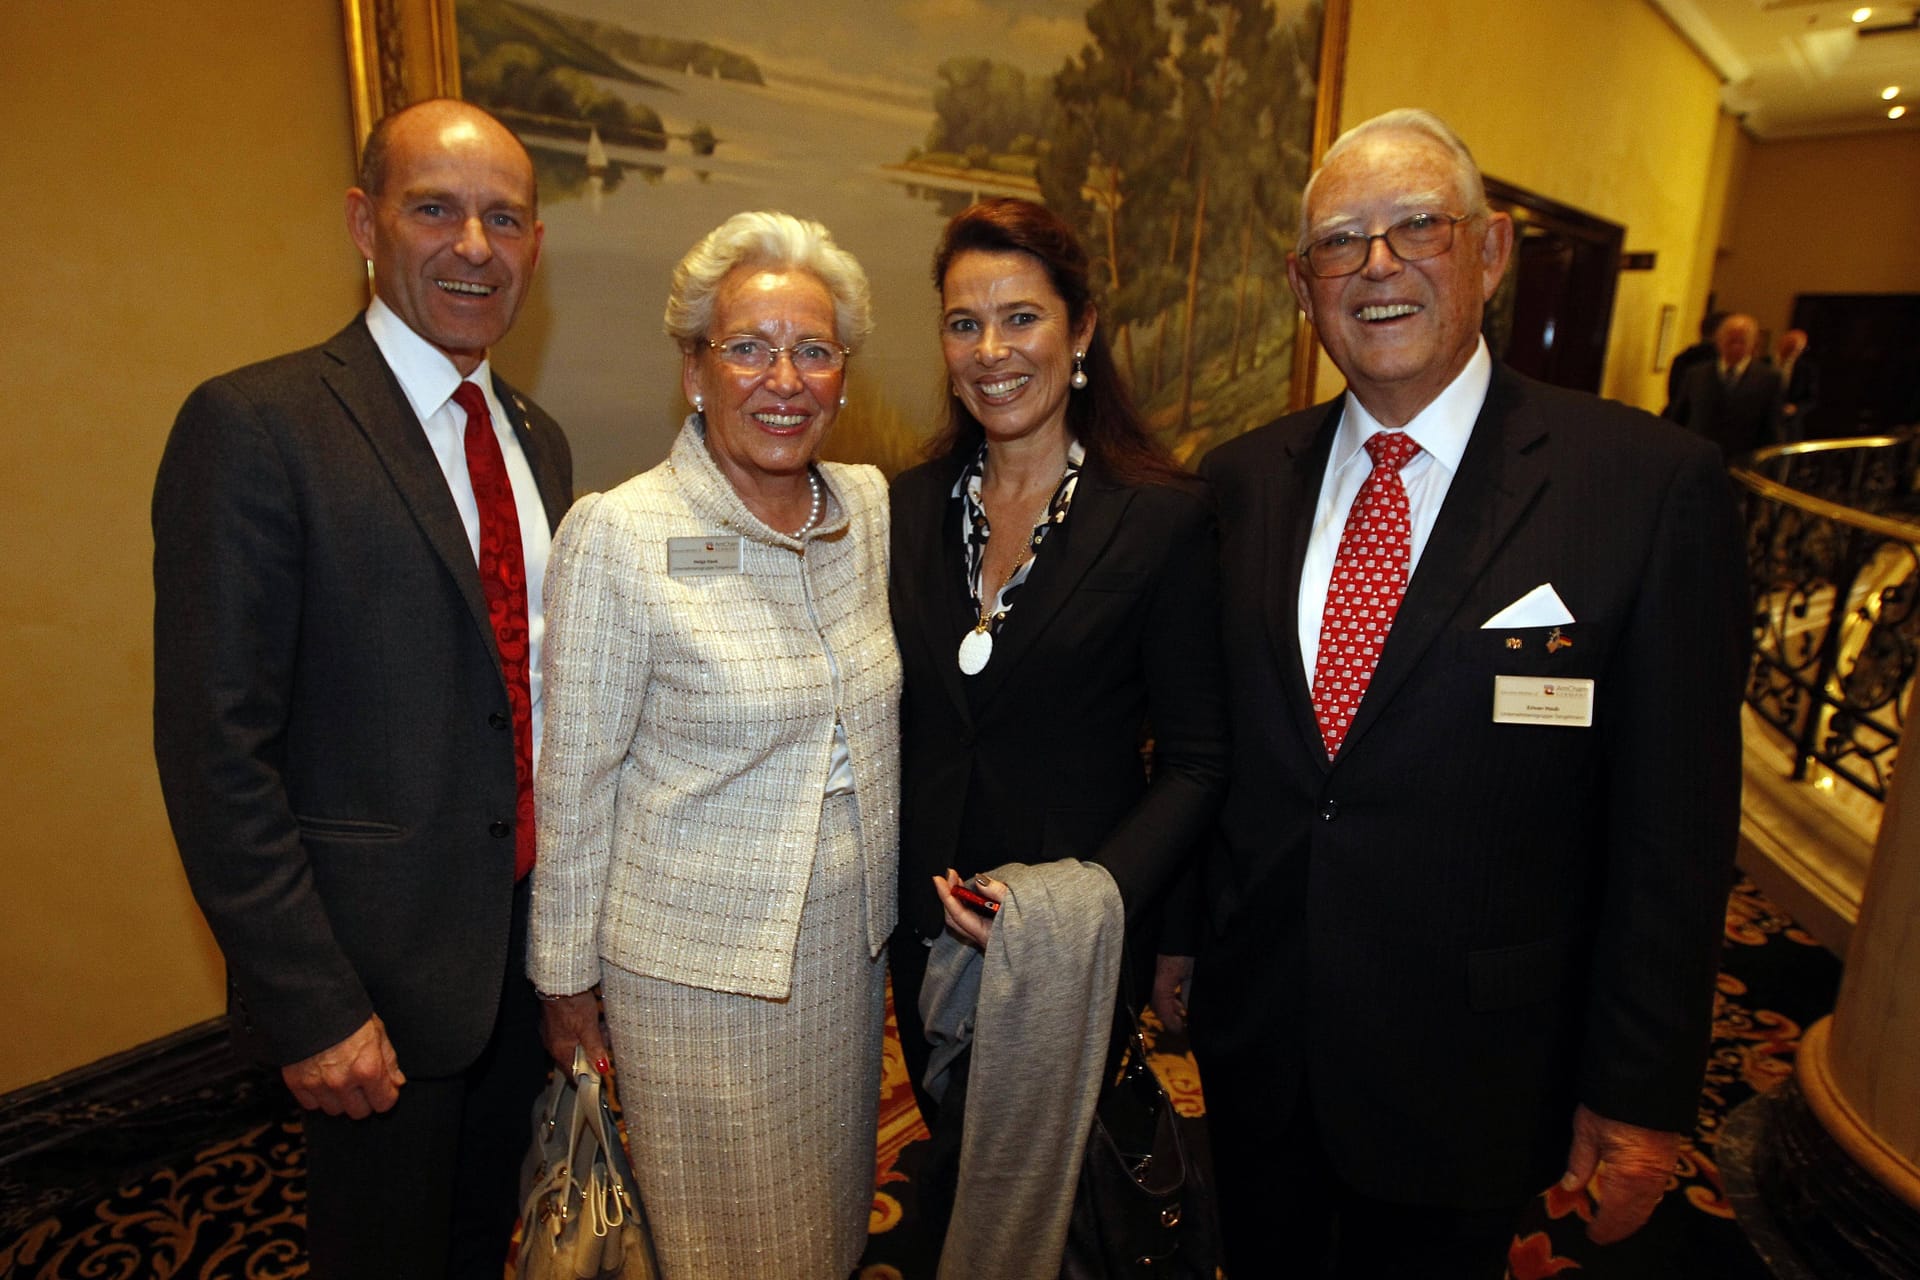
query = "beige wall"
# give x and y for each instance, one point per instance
(1594, 103)
(1826, 215)
(178, 169)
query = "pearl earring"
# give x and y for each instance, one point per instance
(1079, 379)
(699, 404)
(843, 399)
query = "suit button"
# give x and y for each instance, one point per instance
(499, 830)
(499, 720)
(1329, 811)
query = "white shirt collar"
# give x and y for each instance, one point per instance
(424, 371)
(1441, 429)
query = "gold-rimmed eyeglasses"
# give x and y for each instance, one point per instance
(1412, 239)
(810, 356)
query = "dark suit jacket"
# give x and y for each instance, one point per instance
(330, 718)
(1800, 391)
(1739, 418)
(1458, 929)
(1114, 635)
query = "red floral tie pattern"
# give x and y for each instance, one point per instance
(503, 579)
(1369, 578)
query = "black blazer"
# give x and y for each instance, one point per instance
(1113, 636)
(330, 717)
(1739, 418)
(1458, 929)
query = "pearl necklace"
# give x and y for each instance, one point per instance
(819, 504)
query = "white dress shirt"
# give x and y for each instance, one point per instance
(429, 380)
(1441, 429)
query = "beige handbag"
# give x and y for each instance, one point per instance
(580, 1214)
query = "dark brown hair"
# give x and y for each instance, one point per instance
(1101, 415)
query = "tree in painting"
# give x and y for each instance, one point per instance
(1178, 144)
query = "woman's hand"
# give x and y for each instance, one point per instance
(1172, 979)
(963, 921)
(566, 1021)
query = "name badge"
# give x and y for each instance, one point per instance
(1531, 700)
(703, 557)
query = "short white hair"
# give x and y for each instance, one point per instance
(767, 241)
(1407, 122)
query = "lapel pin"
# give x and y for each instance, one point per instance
(1556, 642)
(1513, 642)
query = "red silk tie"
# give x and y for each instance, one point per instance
(1369, 579)
(503, 578)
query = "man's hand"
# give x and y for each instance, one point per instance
(1171, 978)
(356, 1077)
(566, 1021)
(1633, 1164)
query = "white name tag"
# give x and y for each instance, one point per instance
(1531, 700)
(703, 557)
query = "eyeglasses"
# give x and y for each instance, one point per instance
(811, 356)
(1414, 239)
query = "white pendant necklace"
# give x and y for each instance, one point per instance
(976, 647)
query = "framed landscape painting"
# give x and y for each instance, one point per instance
(1174, 135)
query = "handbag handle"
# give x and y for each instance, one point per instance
(1126, 1033)
(604, 1192)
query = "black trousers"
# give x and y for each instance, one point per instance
(1284, 1211)
(430, 1188)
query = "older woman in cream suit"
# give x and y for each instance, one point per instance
(719, 786)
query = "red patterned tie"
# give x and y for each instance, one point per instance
(503, 577)
(1369, 578)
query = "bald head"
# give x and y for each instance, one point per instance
(448, 119)
(447, 219)
(1736, 339)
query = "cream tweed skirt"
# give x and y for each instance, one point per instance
(752, 1121)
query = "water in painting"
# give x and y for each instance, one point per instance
(1173, 135)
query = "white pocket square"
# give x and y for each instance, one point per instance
(1540, 607)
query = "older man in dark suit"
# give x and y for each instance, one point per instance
(1734, 399)
(1485, 643)
(350, 543)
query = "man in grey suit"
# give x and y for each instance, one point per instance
(1485, 645)
(349, 546)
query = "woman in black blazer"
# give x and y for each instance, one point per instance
(1025, 718)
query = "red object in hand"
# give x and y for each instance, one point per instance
(975, 902)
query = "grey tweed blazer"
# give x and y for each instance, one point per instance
(689, 729)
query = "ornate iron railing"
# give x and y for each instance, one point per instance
(1833, 557)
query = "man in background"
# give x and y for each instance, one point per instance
(349, 547)
(1698, 353)
(1486, 640)
(1799, 385)
(1731, 400)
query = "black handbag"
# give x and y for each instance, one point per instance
(1143, 1206)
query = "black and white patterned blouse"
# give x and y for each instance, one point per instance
(974, 530)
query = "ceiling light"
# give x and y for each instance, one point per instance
(1894, 113)
(1861, 15)
(1889, 93)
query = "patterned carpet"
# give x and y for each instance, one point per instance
(232, 1208)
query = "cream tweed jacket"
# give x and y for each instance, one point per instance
(689, 729)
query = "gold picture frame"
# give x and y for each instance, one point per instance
(403, 51)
